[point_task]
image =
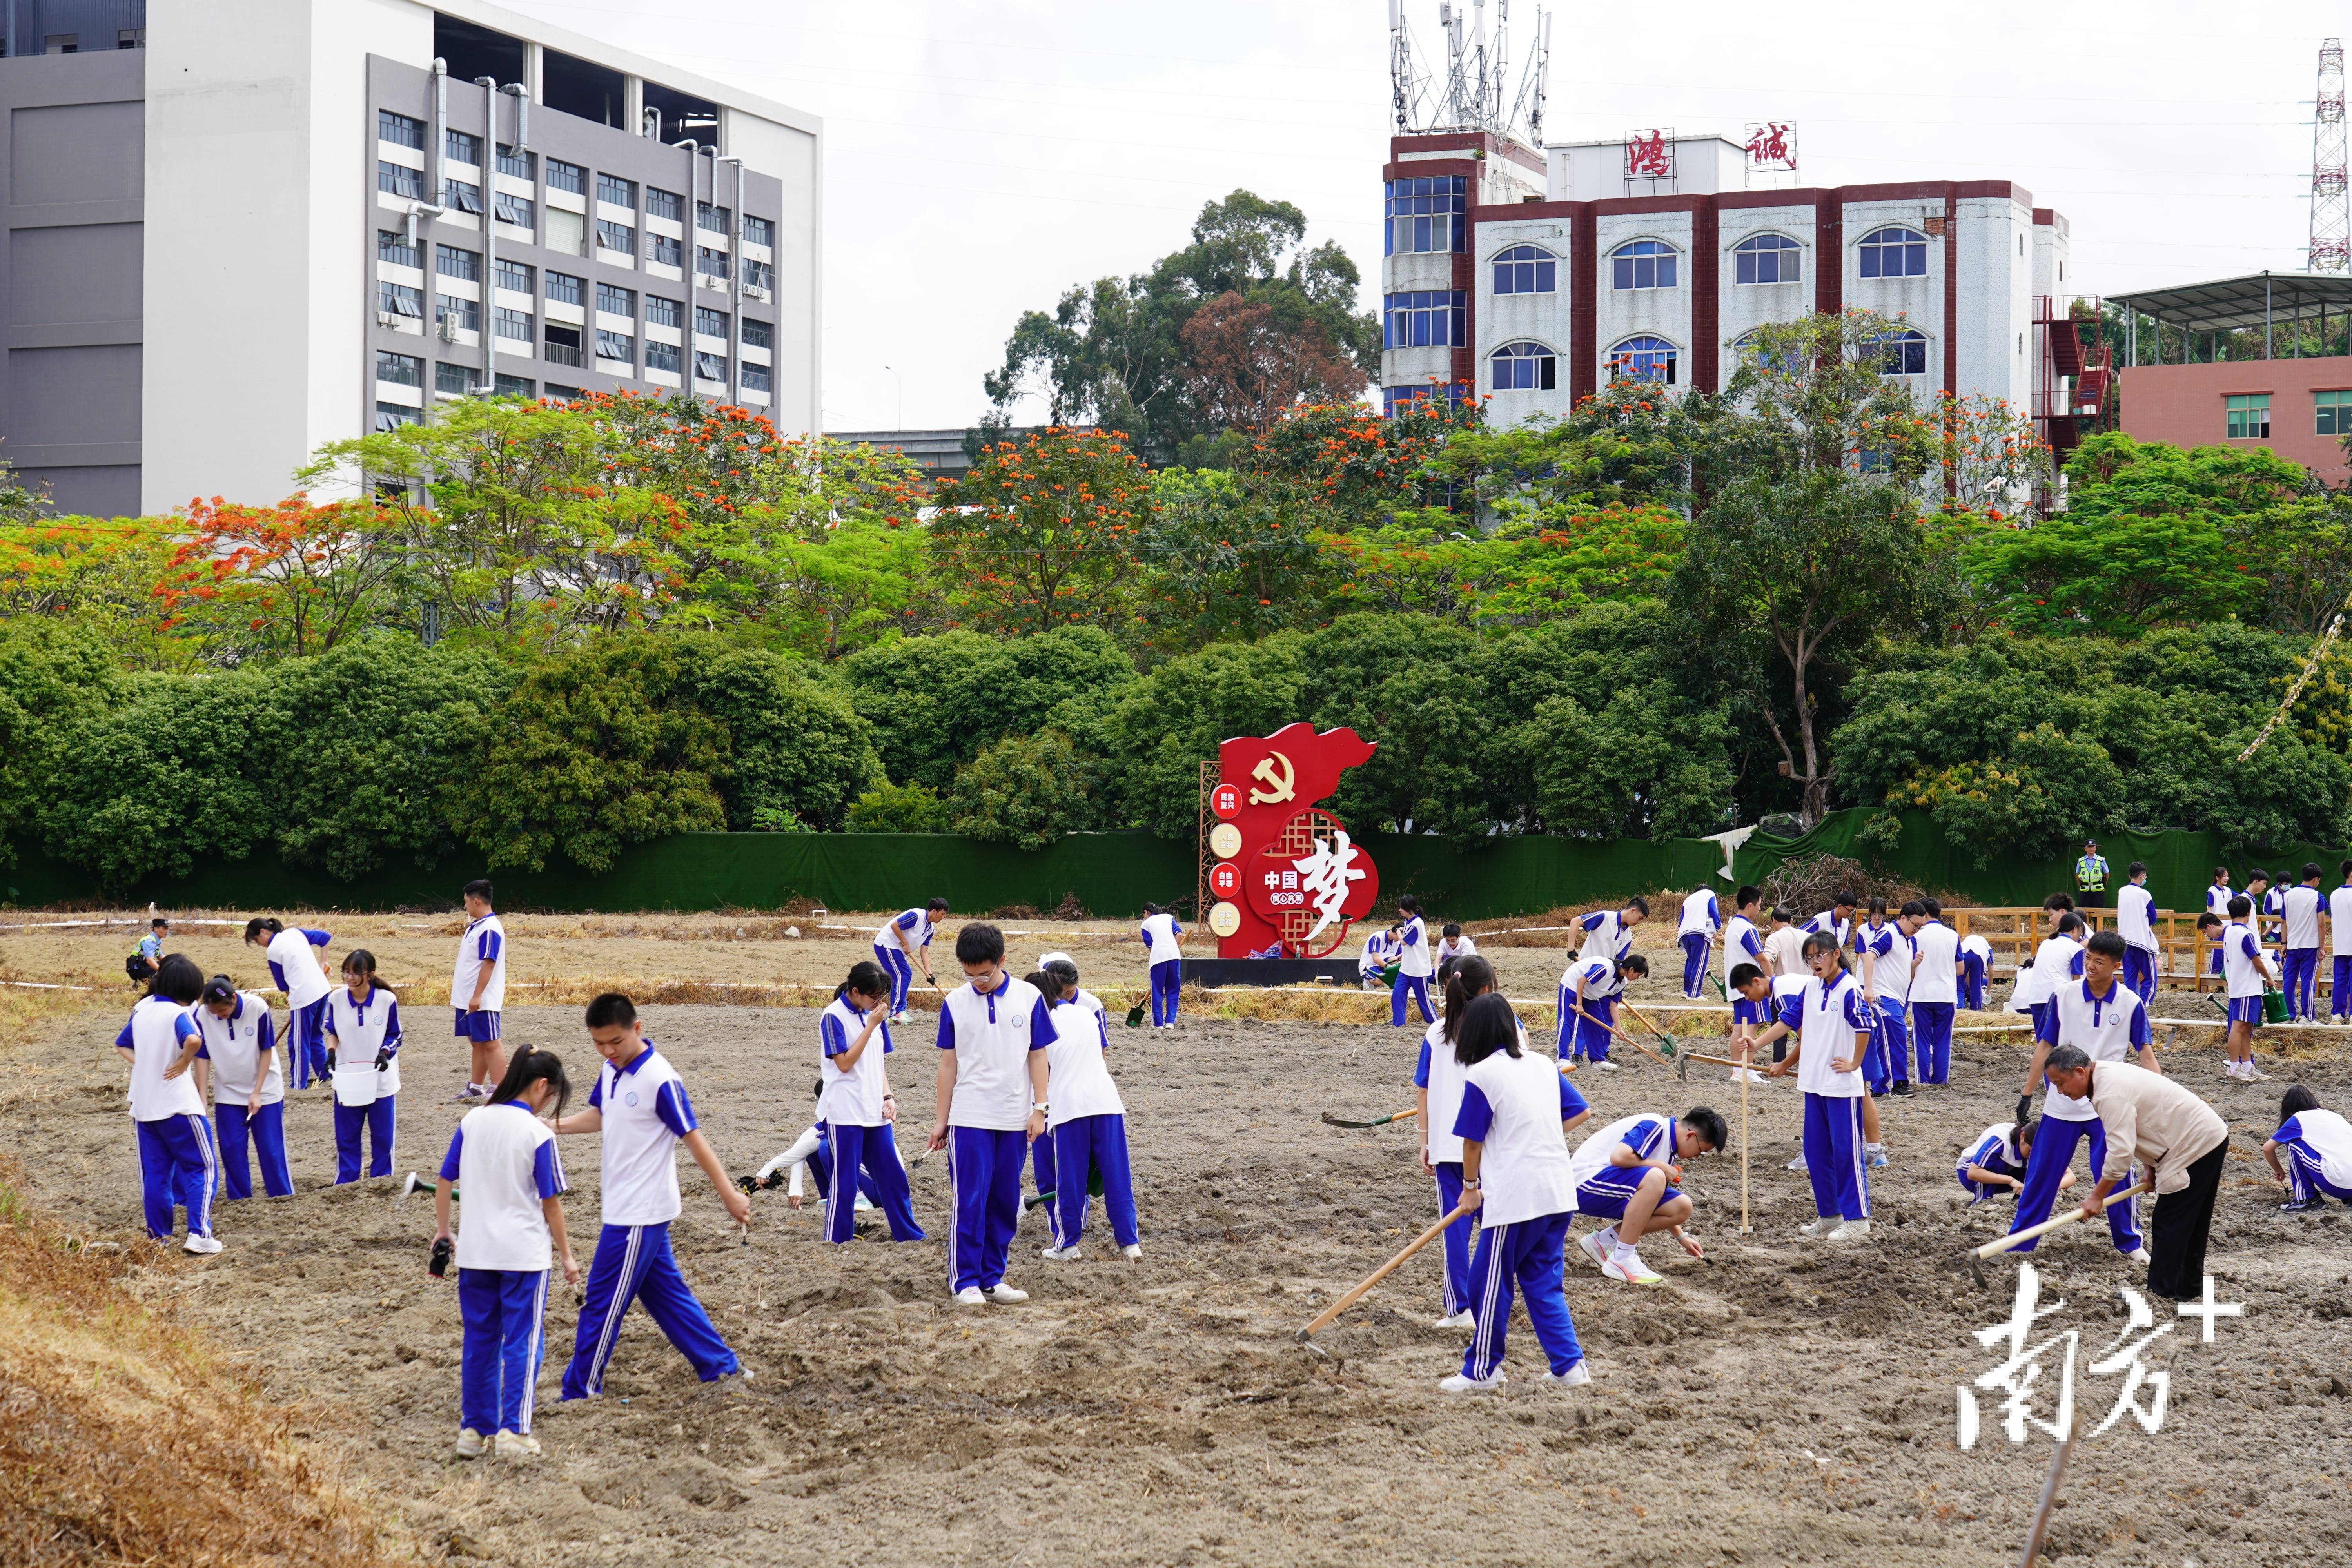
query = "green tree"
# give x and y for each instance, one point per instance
(1044, 534)
(1645, 765)
(897, 808)
(793, 749)
(54, 678)
(1026, 790)
(936, 701)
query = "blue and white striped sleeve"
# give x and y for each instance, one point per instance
(947, 1028)
(1755, 947)
(677, 1112)
(184, 1029)
(456, 1147)
(1643, 1135)
(2138, 1025)
(547, 1171)
(1042, 1032)
(1792, 1010)
(486, 948)
(834, 1035)
(1477, 1118)
(2047, 1032)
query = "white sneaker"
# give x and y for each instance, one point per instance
(515, 1445)
(2137, 1255)
(1851, 1230)
(1133, 1249)
(1060, 1254)
(1576, 1376)
(470, 1444)
(1594, 1248)
(1001, 1291)
(1818, 1227)
(1877, 1160)
(1458, 1383)
(1461, 1320)
(1628, 1266)
(899, 1016)
(2256, 1075)
(1610, 1067)
(1750, 1074)
(203, 1245)
(970, 1296)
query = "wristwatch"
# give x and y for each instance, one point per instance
(1469, 1181)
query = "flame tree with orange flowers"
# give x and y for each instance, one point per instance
(1043, 532)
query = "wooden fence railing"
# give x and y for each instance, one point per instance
(2183, 955)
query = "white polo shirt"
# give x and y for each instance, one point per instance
(1938, 978)
(1514, 1106)
(357, 1034)
(1160, 934)
(2217, 899)
(915, 923)
(1741, 945)
(853, 1098)
(1700, 914)
(1443, 1076)
(1413, 949)
(1604, 936)
(2107, 1028)
(294, 965)
(2330, 1138)
(1980, 949)
(1827, 1018)
(504, 1161)
(2339, 918)
(991, 1035)
(2238, 950)
(1455, 947)
(2301, 906)
(2136, 917)
(646, 1113)
(235, 1046)
(484, 946)
(1078, 1079)
(2058, 960)
(1651, 1137)
(158, 1030)
(1827, 921)
(1595, 980)
(1891, 953)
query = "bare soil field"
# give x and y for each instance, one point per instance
(1780, 1403)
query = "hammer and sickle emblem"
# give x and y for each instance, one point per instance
(1279, 781)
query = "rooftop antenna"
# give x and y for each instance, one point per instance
(2331, 202)
(1476, 92)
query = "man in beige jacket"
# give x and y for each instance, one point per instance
(2153, 1120)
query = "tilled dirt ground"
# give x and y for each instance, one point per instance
(1781, 1403)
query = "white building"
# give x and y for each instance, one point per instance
(238, 229)
(1536, 279)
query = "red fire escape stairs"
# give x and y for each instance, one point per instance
(2077, 374)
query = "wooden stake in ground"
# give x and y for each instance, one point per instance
(1351, 1297)
(2040, 1529)
(1745, 1228)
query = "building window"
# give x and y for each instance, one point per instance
(518, 162)
(399, 130)
(1426, 214)
(399, 299)
(514, 387)
(666, 205)
(130, 38)
(465, 315)
(661, 312)
(1768, 259)
(457, 380)
(758, 275)
(710, 367)
(1643, 264)
(709, 324)
(563, 289)
(465, 147)
(512, 324)
(397, 249)
(2250, 415)
(758, 231)
(564, 176)
(555, 393)
(401, 370)
(460, 197)
(1894, 253)
(400, 180)
(452, 262)
(669, 252)
(617, 238)
(1394, 400)
(393, 415)
(758, 334)
(716, 219)
(1527, 270)
(562, 345)
(712, 264)
(618, 346)
(616, 190)
(616, 300)
(1525, 366)
(1903, 353)
(661, 356)
(1644, 359)
(755, 377)
(2335, 409)
(520, 211)
(514, 276)
(1750, 346)
(1424, 319)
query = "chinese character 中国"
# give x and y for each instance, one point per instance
(1324, 876)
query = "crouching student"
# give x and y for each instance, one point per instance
(177, 1166)
(856, 1108)
(1752, 1012)
(1517, 1178)
(1086, 1120)
(504, 1158)
(1997, 1160)
(248, 1090)
(639, 1104)
(993, 1031)
(1630, 1172)
(2316, 1146)
(362, 1033)
(1588, 1007)
(810, 1154)
(1832, 1026)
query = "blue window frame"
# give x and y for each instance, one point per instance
(1750, 346)
(1527, 270)
(1902, 353)
(399, 180)
(1642, 263)
(1394, 399)
(398, 248)
(1525, 366)
(400, 130)
(1644, 359)
(1426, 214)
(1426, 318)
(1768, 259)
(661, 356)
(1894, 253)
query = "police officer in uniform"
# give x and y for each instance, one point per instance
(2091, 877)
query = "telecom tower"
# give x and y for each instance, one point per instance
(1471, 88)
(2331, 202)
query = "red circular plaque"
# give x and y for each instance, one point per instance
(1225, 880)
(1226, 800)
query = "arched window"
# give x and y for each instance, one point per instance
(1750, 345)
(1769, 259)
(1525, 269)
(1644, 359)
(1902, 353)
(1525, 366)
(1894, 253)
(1643, 264)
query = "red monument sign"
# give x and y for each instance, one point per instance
(1289, 879)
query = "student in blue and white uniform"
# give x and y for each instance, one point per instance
(1518, 1180)
(1753, 1009)
(1040, 1152)
(2108, 1022)
(1452, 943)
(1935, 989)
(904, 946)
(1887, 956)
(295, 969)
(1374, 959)
(2136, 923)
(2217, 904)
(1996, 1160)
(2300, 909)
(363, 1030)
(1702, 919)
(1415, 966)
(640, 1105)
(1832, 1024)
(1163, 950)
(2339, 947)
(503, 1158)
(1630, 1172)
(2269, 904)
(1437, 1079)
(248, 1091)
(1976, 971)
(177, 1165)
(2244, 972)
(1742, 941)
(1086, 1120)
(809, 1155)
(2058, 960)
(477, 990)
(2317, 1146)
(1837, 920)
(1609, 934)
(995, 1030)
(856, 1109)
(1588, 1007)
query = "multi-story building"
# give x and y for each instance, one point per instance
(1538, 278)
(238, 229)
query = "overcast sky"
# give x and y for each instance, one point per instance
(983, 157)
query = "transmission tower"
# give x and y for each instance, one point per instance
(1470, 87)
(2331, 201)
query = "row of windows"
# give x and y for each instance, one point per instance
(1426, 215)
(1765, 259)
(2249, 415)
(455, 262)
(1527, 365)
(1426, 318)
(563, 347)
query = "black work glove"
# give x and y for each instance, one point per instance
(331, 1059)
(382, 1057)
(2024, 1106)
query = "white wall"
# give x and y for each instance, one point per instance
(797, 158)
(1621, 313)
(1744, 307)
(1506, 318)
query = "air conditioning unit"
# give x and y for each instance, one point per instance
(388, 319)
(448, 328)
(753, 291)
